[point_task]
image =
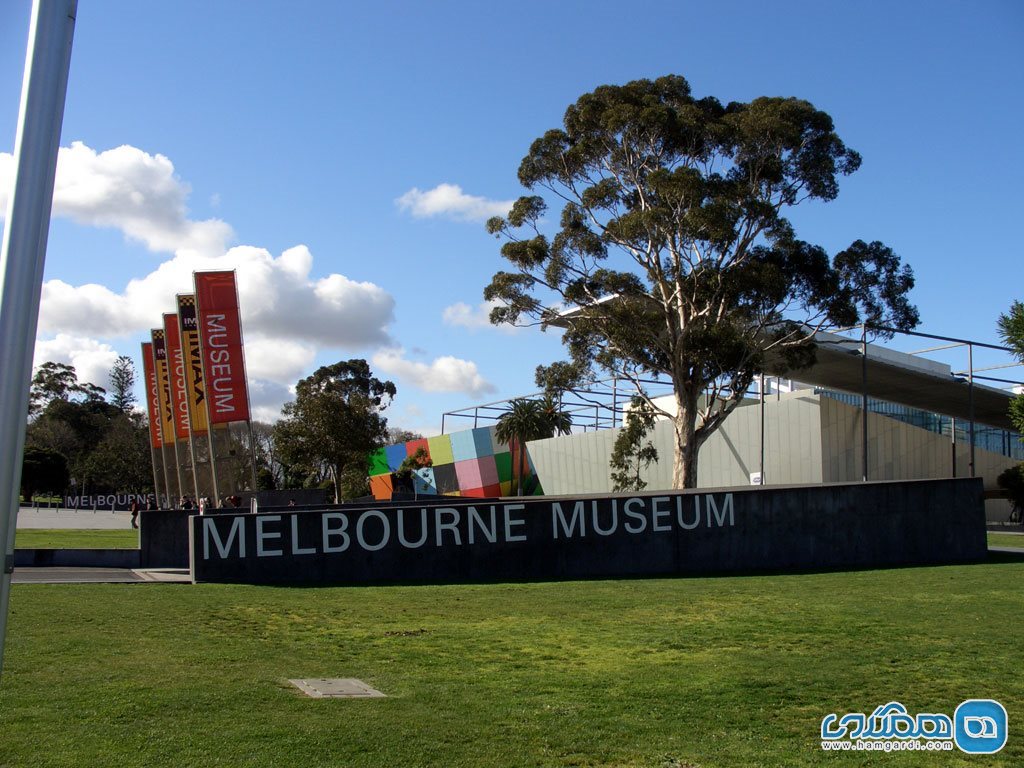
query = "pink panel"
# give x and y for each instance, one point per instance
(468, 473)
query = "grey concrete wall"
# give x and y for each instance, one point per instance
(76, 558)
(579, 463)
(693, 532)
(896, 450)
(808, 439)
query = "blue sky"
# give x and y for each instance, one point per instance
(289, 132)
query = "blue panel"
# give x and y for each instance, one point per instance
(482, 441)
(463, 445)
(496, 445)
(395, 455)
(423, 480)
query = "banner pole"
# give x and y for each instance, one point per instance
(43, 92)
(213, 463)
(177, 466)
(156, 485)
(252, 452)
(167, 480)
(195, 472)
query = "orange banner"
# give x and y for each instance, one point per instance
(220, 334)
(176, 372)
(188, 327)
(164, 387)
(152, 395)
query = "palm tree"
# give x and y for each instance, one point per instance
(531, 420)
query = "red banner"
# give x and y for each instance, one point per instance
(220, 332)
(152, 395)
(176, 373)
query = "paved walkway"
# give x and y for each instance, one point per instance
(99, 576)
(29, 517)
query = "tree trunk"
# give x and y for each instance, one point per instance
(684, 458)
(335, 475)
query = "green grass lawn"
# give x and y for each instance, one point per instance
(1005, 540)
(731, 671)
(71, 538)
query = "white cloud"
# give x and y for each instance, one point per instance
(126, 189)
(287, 313)
(279, 300)
(462, 315)
(92, 359)
(450, 201)
(444, 374)
(278, 360)
(266, 399)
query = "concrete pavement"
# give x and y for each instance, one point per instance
(99, 576)
(42, 517)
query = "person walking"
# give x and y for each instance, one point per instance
(134, 508)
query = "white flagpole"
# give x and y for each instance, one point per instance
(24, 249)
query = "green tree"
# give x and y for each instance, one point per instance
(531, 420)
(633, 451)
(398, 435)
(673, 255)
(122, 384)
(1011, 329)
(43, 470)
(52, 381)
(335, 421)
(69, 416)
(403, 475)
(121, 460)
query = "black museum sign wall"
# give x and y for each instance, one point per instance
(691, 532)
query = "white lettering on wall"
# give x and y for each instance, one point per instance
(210, 531)
(452, 525)
(330, 531)
(635, 528)
(510, 521)
(475, 521)
(578, 520)
(262, 536)
(373, 514)
(296, 549)
(423, 530)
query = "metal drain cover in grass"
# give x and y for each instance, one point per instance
(337, 688)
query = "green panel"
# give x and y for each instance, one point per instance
(504, 463)
(379, 463)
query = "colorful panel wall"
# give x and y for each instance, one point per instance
(471, 463)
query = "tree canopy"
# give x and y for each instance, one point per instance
(104, 446)
(335, 422)
(1011, 329)
(122, 384)
(673, 255)
(528, 420)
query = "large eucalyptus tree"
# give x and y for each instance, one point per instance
(672, 253)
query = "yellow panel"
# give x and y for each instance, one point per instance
(440, 448)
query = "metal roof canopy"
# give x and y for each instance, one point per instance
(897, 377)
(901, 378)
